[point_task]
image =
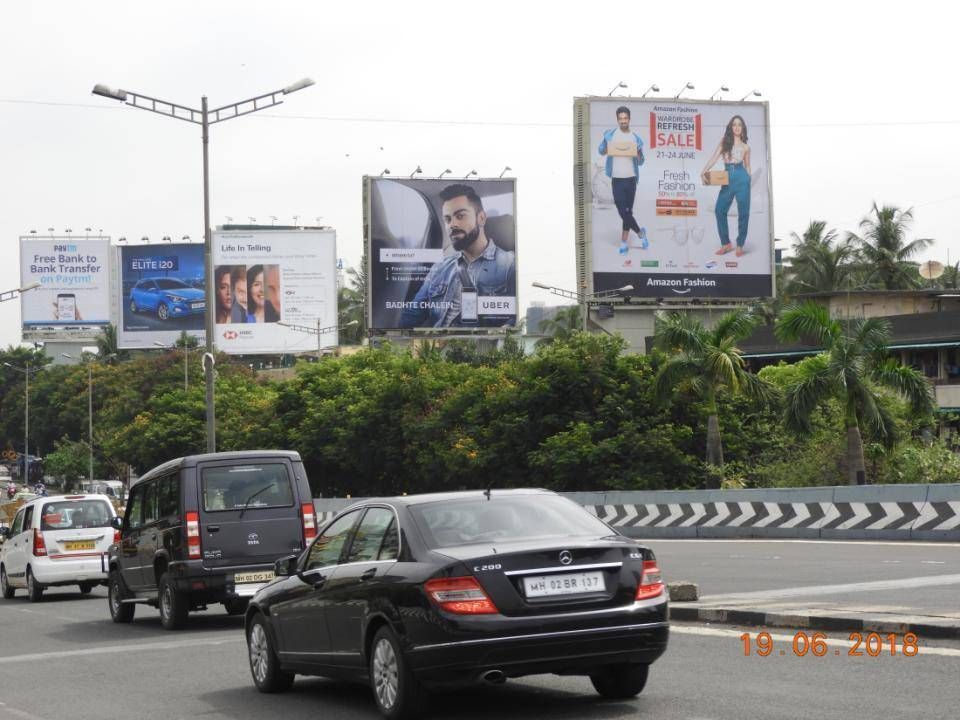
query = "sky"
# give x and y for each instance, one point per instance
(862, 110)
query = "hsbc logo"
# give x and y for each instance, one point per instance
(230, 335)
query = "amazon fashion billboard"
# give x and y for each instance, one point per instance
(673, 197)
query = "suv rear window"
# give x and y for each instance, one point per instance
(527, 517)
(74, 515)
(250, 486)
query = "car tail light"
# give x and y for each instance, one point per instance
(309, 521)
(460, 595)
(39, 546)
(116, 537)
(193, 535)
(650, 582)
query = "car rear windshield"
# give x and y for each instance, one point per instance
(450, 523)
(74, 515)
(246, 486)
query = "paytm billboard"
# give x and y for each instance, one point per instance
(72, 301)
(442, 253)
(266, 281)
(161, 294)
(674, 197)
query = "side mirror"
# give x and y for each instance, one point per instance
(116, 522)
(4, 532)
(286, 566)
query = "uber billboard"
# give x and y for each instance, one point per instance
(268, 280)
(161, 294)
(73, 298)
(675, 197)
(441, 253)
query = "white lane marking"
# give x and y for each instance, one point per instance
(32, 612)
(110, 649)
(933, 562)
(65, 619)
(7, 710)
(806, 591)
(777, 637)
(894, 543)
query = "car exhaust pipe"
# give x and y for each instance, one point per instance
(494, 677)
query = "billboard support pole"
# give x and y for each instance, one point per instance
(208, 282)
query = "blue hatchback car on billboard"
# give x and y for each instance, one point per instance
(167, 297)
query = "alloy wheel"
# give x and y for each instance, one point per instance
(385, 673)
(115, 597)
(259, 653)
(166, 602)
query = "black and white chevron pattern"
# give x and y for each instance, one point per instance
(907, 516)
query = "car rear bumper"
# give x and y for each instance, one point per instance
(216, 584)
(544, 647)
(70, 570)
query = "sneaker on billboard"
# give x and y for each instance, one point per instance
(624, 249)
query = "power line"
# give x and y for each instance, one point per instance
(500, 123)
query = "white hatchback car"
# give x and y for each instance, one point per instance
(57, 540)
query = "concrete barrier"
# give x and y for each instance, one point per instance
(869, 512)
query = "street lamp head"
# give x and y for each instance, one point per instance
(626, 288)
(68, 356)
(109, 92)
(299, 85)
(30, 286)
(541, 286)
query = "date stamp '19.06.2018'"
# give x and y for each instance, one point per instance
(818, 644)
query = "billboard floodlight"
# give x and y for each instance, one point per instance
(616, 87)
(688, 86)
(755, 93)
(721, 89)
(652, 88)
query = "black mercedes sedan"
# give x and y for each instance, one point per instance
(425, 592)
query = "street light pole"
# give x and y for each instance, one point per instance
(26, 370)
(203, 117)
(90, 417)
(208, 269)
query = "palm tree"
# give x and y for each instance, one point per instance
(107, 345)
(820, 262)
(853, 369)
(351, 301)
(564, 323)
(885, 252)
(703, 362)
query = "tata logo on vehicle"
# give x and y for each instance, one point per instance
(230, 335)
(566, 557)
(253, 539)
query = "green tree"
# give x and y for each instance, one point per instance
(69, 461)
(703, 362)
(107, 346)
(853, 369)
(884, 248)
(820, 261)
(351, 304)
(565, 322)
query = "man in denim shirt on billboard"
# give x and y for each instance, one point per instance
(477, 268)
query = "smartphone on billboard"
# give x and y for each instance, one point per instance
(468, 306)
(66, 307)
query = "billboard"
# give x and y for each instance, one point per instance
(441, 253)
(73, 299)
(161, 294)
(265, 280)
(674, 197)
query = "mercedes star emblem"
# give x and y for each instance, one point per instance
(565, 557)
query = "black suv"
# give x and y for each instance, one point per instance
(207, 529)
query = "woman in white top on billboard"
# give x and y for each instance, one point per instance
(735, 152)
